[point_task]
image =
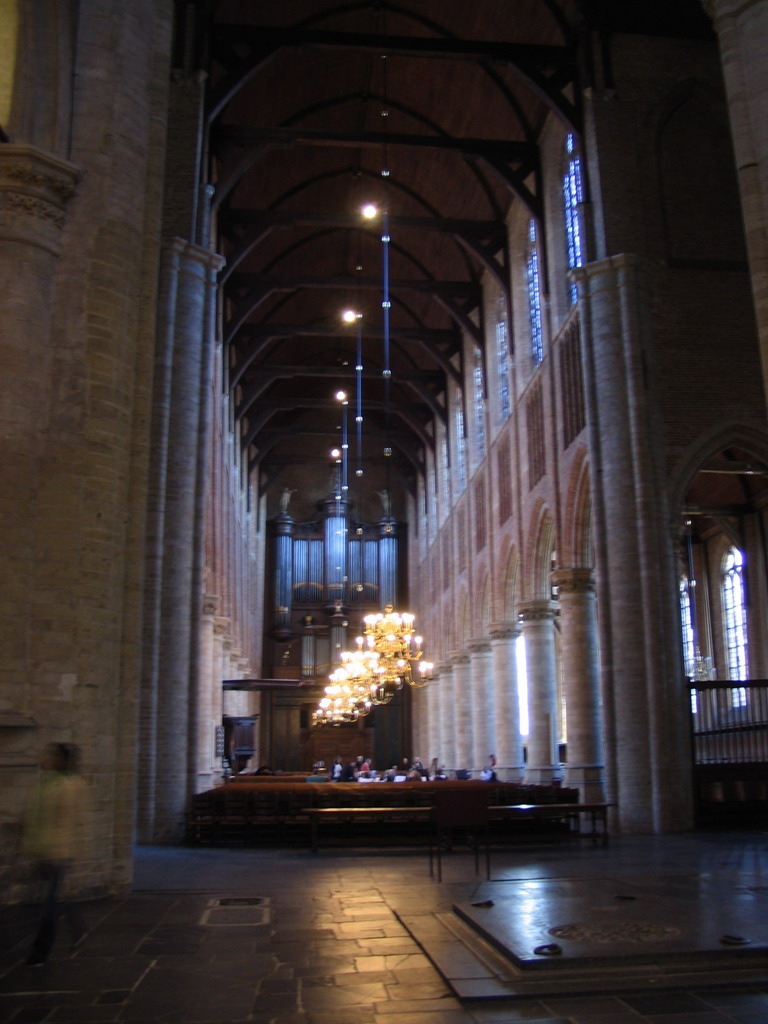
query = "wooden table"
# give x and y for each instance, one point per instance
(317, 815)
(597, 813)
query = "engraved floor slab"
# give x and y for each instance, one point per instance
(588, 921)
(542, 936)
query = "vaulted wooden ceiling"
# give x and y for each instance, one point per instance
(432, 109)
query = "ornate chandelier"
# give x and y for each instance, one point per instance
(382, 664)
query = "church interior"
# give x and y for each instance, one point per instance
(314, 311)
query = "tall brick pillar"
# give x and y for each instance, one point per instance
(742, 29)
(430, 739)
(509, 742)
(210, 703)
(169, 727)
(581, 681)
(483, 717)
(445, 752)
(34, 189)
(37, 669)
(462, 710)
(538, 621)
(644, 709)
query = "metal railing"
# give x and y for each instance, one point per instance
(729, 722)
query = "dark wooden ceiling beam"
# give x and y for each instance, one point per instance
(716, 511)
(255, 288)
(445, 337)
(245, 229)
(542, 68)
(256, 284)
(401, 442)
(267, 39)
(425, 384)
(249, 136)
(441, 345)
(487, 230)
(268, 408)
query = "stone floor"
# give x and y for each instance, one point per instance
(228, 936)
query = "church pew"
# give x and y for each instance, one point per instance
(265, 814)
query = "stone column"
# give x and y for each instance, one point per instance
(584, 768)
(483, 714)
(538, 622)
(40, 547)
(742, 29)
(34, 189)
(175, 515)
(421, 711)
(508, 741)
(209, 714)
(445, 752)
(644, 712)
(432, 739)
(463, 711)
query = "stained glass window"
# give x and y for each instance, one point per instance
(534, 296)
(572, 196)
(734, 612)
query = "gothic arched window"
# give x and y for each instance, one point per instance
(734, 614)
(460, 441)
(572, 196)
(534, 295)
(502, 359)
(444, 475)
(478, 381)
(687, 626)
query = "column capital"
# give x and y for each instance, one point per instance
(538, 611)
(458, 657)
(504, 630)
(220, 624)
(205, 257)
(210, 604)
(479, 645)
(597, 275)
(574, 580)
(34, 189)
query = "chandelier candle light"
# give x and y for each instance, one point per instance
(372, 675)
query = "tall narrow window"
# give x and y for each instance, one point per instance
(502, 359)
(445, 474)
(479, 389)
(534, 296)
(735, 614)
(687, 627)
(460, 441)
(572, 196)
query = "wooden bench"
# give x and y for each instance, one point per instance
(570, 814)
(359, 815)
(256, 813)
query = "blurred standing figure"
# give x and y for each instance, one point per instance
(53, 834)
